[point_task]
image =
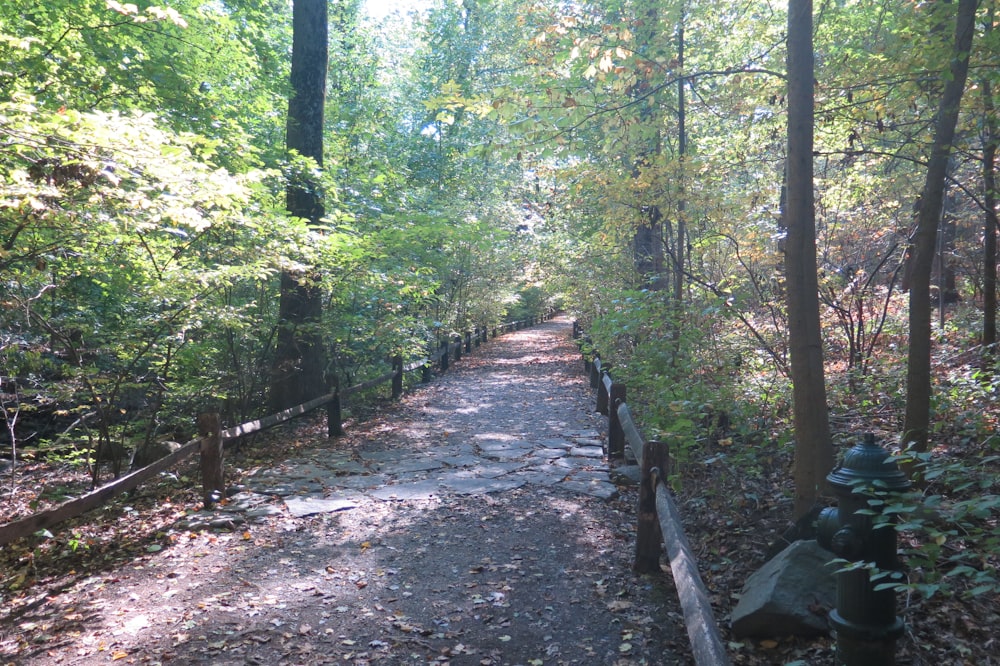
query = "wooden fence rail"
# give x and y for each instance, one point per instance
(212, 438)
(658, 521)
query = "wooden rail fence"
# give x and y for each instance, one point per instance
(658, 521)
(212, 438)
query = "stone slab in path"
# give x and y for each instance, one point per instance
(307, 506)
(285, 488)
(483, 486)
(555, 444)
(583, 434)
(413, 490)
(601, 489)
(410, 466)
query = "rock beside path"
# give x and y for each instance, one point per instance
(790, 595)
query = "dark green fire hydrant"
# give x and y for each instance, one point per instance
(865, 619)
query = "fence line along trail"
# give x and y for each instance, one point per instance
(472, 522)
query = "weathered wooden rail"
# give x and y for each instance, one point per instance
(658, 521)
(212, 438)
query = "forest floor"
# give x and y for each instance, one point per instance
(468, 523)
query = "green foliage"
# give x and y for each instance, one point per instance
(140, 243)
(197, 65)
(119, 241)
(529, 301)
(683, 379)
(948, 529)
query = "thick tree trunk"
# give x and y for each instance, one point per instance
(918, 369)
(297, 372)
(813, 447)
(648, 249)
(649, 239)
(990, 202)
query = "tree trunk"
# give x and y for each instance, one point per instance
(813, 447)
(648, 249)
(680, 248)
(990, 141)
(297, 372)
(918, 369)
(649, 240)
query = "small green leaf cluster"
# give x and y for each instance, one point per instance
(948, 530)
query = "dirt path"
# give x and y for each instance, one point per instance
(471, 523)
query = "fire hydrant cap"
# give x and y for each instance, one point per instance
(867, 463)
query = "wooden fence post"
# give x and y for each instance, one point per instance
(334, 418)
(458, 347)
(616, 435)
(425, 373)
(602, 394)
(397, 379)
(649, 536)
(445, 353)
(212, 482)
(468, 342)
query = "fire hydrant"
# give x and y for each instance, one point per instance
(865, 620)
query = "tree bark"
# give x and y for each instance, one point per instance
(298, 368)
(918, 368)
(990, 141)
(813, 447)
(649, 240)
(680, 247)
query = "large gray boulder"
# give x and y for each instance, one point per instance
(790, 595)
